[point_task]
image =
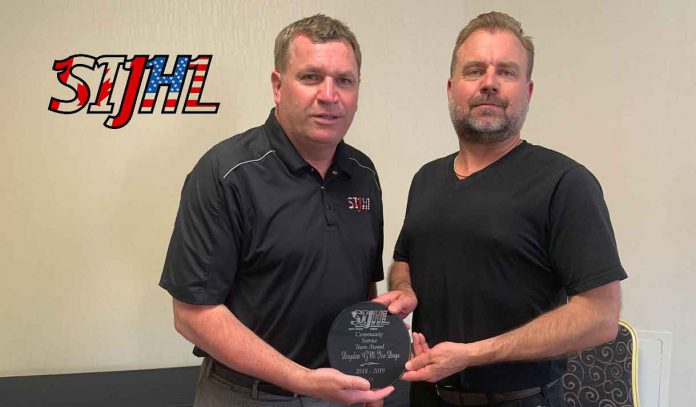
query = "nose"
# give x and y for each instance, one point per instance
(327, 91)
(490, 82)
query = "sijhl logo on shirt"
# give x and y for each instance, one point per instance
(359, 203)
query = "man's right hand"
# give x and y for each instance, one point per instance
(400, 302)
(332, 385)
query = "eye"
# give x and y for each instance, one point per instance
(474, 73)
(344, 82)
(508, 73)
(310, 77)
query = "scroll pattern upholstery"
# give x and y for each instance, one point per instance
(604, 376)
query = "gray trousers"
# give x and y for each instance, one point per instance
(214, 391)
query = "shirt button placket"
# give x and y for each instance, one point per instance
(328, 215)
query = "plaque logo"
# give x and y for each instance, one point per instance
(367, 319)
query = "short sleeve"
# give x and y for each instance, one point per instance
(401, 252)
(582, 246)
(400, 249)
(203, 251)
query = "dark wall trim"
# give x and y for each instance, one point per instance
(169, 387)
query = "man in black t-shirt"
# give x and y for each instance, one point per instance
(279, 229)
(506, 248)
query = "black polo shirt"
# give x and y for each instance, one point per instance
(260, 231)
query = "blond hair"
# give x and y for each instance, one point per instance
(493, 22)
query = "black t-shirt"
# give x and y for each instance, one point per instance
(497, 249)
(259, 231)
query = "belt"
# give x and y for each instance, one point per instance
(253, 384)
(454, 396)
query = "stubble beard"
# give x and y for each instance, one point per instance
(485, 127)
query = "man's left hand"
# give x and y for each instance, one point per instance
(433, 364)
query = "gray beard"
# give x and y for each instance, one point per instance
(475, 130)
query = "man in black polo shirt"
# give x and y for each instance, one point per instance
(506, 247)
(279, 229)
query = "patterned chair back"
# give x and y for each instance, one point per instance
(605, 375)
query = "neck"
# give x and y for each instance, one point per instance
(474, 157)
(319, 156)
(320, 164)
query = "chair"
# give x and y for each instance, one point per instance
(606, 375)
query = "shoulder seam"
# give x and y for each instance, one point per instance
(247, 162)
(374, 174)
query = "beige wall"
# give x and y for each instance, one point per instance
(86, 212)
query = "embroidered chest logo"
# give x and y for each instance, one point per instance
(358, 203)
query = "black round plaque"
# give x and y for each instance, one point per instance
(366, 340)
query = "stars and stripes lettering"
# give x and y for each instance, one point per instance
(174, 82)
(193, 104)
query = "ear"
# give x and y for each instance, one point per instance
(449, 89)
(276, 83)
(530, 90)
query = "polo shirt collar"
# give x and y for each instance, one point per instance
(341, 160)
(284, 149)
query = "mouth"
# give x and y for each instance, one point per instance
(488, 105)
(488, 102)
(327, 116)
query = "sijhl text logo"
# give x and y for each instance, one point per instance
(359, 203)
(363, 318)
(95, 81)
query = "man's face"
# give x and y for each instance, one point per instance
(489, 91)
(317, 95)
